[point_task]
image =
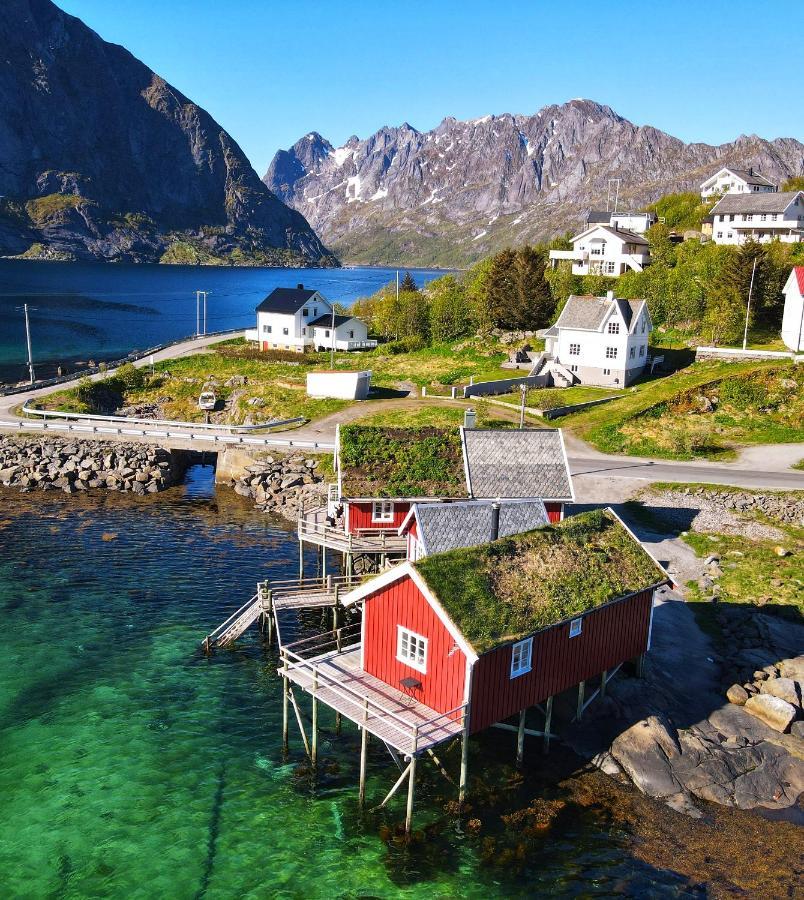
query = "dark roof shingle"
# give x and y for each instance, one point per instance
(285, 300)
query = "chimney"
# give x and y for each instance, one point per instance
(470, 418)
(495, 520)
(750, 171)
(609, 295)
(300, 287)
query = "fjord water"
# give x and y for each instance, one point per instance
(82, 311)
(132, 766)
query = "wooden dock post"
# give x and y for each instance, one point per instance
(363, 742)
(411, 783)
(548, 721)
(579, 709)
(301, 559)
(520, 739)
(285, 689)
(323, 560)
(314, 749)
(640, 666)
(603, 679)
(464, 758)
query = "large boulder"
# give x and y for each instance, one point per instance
(783, 688)
(773, 711)
(737, 694)
(645, 752)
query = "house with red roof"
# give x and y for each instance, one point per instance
(793, 318)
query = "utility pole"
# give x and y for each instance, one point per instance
(26, 309)
(397, 287)
(332, 342)
(205, 311)
(748, 308)
(523, 389)
(197, 313)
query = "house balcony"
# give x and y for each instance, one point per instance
(317, 525)
(328, 667)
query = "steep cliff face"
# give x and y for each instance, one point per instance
(101, 158)
(465, 189)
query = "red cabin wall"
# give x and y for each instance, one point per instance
(611, 634)
(401, 603)
(555, 512)
(360, 517)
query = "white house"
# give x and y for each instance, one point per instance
(793, 318)
(300, 319)
(737, 181)
(638, 222)
(605, 250)
(737, 218)
(599, 340)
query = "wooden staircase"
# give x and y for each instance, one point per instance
(237, 623)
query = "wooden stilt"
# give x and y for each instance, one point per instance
(579, 710)
(464, 759)
(439, 766)
(520, 739)
(285, 688)
(548, 718)
(603, 679)
(299, 721)
(301, 560)
(640, 666)
(323, 562)
(338, 719)
(411, 790)
(314, 737)
(207, 648)
(363, 744)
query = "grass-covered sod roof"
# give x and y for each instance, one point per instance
(513, 587)
(401, 462)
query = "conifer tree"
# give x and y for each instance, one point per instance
(408, 284)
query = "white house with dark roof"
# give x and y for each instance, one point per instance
(438, 527)
(301, 319)
(737, 218)
(737, 181)
(638, 222)
(599, 340)
(605, 250)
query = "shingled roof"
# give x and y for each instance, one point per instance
(525, 463)
(448, 526)
(754, 203)
(749, 176)
(285, 300)
(422, 463)
(588, 313)
(326, 321)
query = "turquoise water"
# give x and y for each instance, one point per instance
(84, 310)
(131, 766)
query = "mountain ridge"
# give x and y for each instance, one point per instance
(101, 158)
(464, 189)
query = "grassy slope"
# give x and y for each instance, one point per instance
(506, 590)
(612, 427)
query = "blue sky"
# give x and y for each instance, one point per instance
(271, 72)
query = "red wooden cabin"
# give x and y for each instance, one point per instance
(425, 631)
(379, 479)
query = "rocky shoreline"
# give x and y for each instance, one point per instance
(57, 464)
(282, 484)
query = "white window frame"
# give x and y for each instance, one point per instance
(284, 331)
(574, 349)
(576, 627)
(613, 328)
(611, 353)
(632, 354)
(382, 511)
(405, 639)
(305, 312)
(521, 657)
(266, 329)
(642, 350)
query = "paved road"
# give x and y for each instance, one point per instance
(756, 467)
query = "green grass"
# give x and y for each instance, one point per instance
(799, 465)
(506, 590)
(655, 419)
(401, 462)
(438, 415)
(40, 209)
(552, 398)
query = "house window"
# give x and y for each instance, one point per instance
(720, 234)
(520, 657)
(411, 648)
(305, 311)
(351, 334)
(611, 353)
(575, 627)
(575, 349)
(573, 368)
(607, 371)
(266, 329)
(632, 354)
(315, 311)
(731, 234)
(642, 350)
(610, 268)
(382, 511)
(614, 328)
(763, 218)
(748, 217)
(643, 325)
(284, 331)
(304, 332)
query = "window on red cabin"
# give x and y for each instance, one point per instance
(411, 649)
(382, 511)
(521, 654)
(575, 627)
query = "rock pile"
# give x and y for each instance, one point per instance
(281, 483)
(774, 695)
(712, 510)
(51, 464)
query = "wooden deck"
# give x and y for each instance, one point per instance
(336, 679)
(313, 529)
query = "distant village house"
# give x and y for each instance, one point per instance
(598, 341)
(793, 318)
(300, 319)
(737, 181)
(763, 217)
(605, 250)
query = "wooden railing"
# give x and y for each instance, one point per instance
(365, 540)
